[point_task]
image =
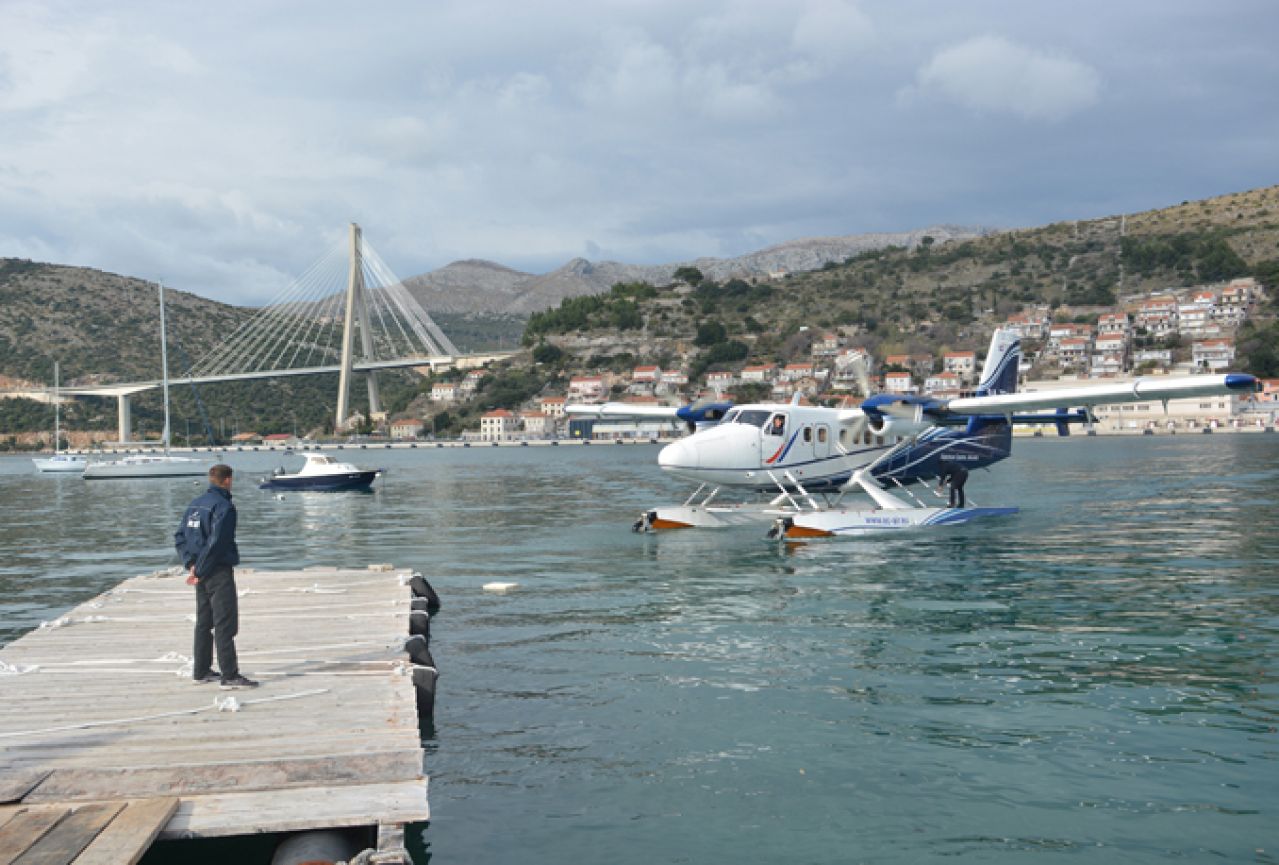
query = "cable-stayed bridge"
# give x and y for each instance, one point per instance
(318, 325)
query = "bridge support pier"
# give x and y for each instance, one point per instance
(124, 412)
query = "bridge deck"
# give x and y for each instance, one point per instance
(99, 706)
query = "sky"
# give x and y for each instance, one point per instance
(225, 147)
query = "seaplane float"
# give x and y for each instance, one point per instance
(811, 458)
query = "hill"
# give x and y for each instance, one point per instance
(479, 287)
(937, 296)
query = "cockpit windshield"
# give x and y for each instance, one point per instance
(752, 417)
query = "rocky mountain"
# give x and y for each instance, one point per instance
(474, 286)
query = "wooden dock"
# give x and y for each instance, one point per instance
(104, 737)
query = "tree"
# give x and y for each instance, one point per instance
(548, 353)
(710, 333)
(691, 275)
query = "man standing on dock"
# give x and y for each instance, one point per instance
(205, 540)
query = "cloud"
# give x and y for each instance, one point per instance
(991, 74)
(831, 30)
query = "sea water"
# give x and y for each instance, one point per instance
(1091, 680)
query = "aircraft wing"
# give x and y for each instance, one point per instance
(1139, 390)
(623, 410)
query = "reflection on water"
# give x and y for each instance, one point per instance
(1093, 677)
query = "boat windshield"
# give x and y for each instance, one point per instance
(322, 460)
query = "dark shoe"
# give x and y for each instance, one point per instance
(211, 676)
(237, 682)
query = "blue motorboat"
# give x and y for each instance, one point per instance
(322, 472)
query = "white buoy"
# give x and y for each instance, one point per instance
(499, 587)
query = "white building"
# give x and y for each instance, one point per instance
(586, 388)
(497, 425)
(535, 424)
(961, 363)
(1214, 354)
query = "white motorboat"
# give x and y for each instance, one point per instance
(323, 473)
(59, 462)
(152, 465)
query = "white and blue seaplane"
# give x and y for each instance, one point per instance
(811, 458)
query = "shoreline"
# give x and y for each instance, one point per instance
(1023, 433)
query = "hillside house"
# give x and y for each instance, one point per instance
(552, 406)
(720, 380)
(1213, 354)
(1158, 315)
(826, 345)
(961, 363)
(759, 374)
(587, 388)
(1114, 323)
(1074, 351)
(444, 391)
(796, 371)
(899, 382)
(943, 384)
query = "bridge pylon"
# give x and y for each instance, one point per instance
(356, 304)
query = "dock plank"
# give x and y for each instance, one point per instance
(62, 844)
(334, 722)
(79, 784)
(25, 828)
(17, 783)
(127, 837)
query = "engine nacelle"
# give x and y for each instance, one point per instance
(899, 420)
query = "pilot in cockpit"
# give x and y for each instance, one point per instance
(777, 426)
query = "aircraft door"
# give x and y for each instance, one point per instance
(821, 441)
(773, 436)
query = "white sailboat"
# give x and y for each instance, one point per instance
(153, 465)
(59, 462)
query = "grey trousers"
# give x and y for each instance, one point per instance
(217, 620)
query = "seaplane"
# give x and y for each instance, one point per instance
(809, 458)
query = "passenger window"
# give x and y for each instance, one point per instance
(821, 434)
(808, 434)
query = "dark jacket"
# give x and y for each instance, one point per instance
(954, 473)
(206, 536)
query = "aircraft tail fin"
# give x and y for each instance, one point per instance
(999, 375)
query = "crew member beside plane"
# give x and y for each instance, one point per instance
(956, 475)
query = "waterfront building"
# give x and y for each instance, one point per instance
(406, 428)
(536, 424)
(497, 425)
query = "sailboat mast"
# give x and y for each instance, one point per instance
(57, 415)
(164, 364)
